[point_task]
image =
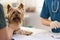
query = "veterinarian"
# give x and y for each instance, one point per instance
(5, 32)
(51, 9)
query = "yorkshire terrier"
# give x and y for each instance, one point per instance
(16, 15)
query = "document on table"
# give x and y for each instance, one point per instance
(22, 37)
(33, 37)
(55, 35)
(38, 34)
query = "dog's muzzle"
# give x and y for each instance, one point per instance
(17, 19)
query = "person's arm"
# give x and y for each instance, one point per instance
(45, 15)
(45, 21)
(5, 33)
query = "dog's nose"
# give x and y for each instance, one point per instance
(16, 15)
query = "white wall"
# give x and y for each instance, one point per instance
(34, 19)
(30, 3)
(35, 3)
(39, 4)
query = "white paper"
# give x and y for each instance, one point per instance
(39, 34)
(55, 35)
(33, 37)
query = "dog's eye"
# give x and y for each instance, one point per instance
(18, 12)
(13, 12)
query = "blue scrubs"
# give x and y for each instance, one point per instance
(47, 12)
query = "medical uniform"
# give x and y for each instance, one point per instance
(2, 18)
(47, 10)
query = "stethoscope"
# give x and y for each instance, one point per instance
(57, 8)
(55, 30)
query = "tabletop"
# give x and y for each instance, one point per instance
(38, 34)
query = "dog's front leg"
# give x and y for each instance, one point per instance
(23, 32)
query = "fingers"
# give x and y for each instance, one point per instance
(55, 24)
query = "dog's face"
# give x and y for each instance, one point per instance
(15, 14)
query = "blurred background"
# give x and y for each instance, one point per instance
(32, 11)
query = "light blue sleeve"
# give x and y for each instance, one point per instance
(45, 11)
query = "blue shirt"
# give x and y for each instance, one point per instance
(47, 10)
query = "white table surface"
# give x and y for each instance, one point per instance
(38, 34)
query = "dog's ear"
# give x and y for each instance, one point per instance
(8, 8)
(21, 6)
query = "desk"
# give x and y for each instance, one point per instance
(38, 34)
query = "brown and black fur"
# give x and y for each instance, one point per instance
(16, 15)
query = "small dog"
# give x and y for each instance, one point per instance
(15, 15)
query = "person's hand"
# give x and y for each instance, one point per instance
(55, 24)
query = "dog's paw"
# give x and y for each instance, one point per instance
(27, 33)
(23, 32)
